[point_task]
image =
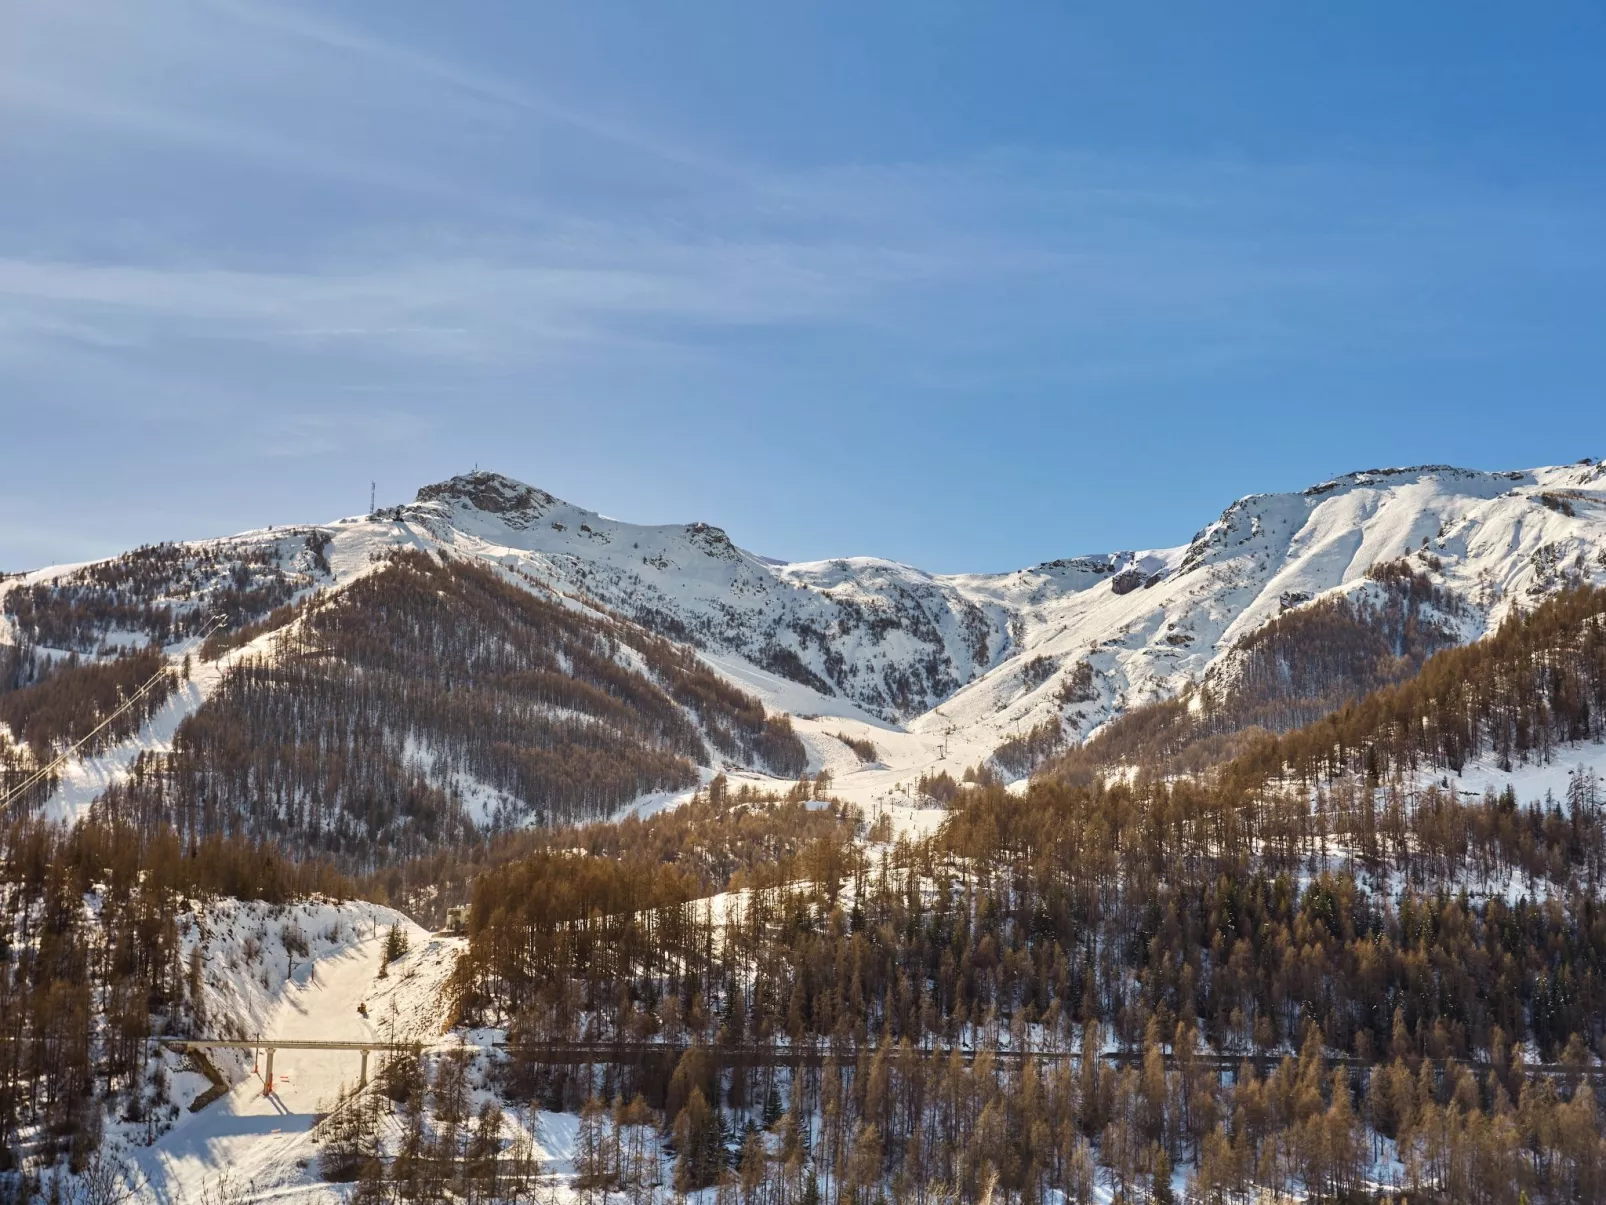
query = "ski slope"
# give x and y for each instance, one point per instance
(264, 1142)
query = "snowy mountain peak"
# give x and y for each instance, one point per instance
(516, 504)
(1431, 492)
(712, 541)
(1397, 476)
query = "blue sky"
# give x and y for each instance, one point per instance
(971, 286)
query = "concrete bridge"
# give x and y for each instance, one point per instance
(580, 1053)
(269, 1045)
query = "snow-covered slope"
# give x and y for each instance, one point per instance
(891, 638)
(938, 670)
(1496, 540)
(259, 984)
(996, 654)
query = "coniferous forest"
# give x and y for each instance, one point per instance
(91, 966)
(1289, 972)
(534, 712)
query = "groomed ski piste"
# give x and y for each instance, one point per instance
(262, 1146)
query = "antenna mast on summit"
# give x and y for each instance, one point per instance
(372, 486)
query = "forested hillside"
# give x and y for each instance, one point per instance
(432, 701)
(85, 641)
(1409, 983)
(1313, 662)
(721, 838)
(163, 593)
(1313, 659)
(93, 960)
(1310, 660)
(1540, 680)
(47, 704)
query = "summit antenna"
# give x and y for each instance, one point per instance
(372, 486)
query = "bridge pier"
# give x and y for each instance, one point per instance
(267, 1080)
(362, 1079)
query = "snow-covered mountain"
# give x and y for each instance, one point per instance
(891, 638)
(936, 669)
(1173, 616)
(1001, 651)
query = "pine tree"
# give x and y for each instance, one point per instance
(590, 1150)
(349, 1139)
(396, 943)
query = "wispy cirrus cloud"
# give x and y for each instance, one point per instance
(373, 228)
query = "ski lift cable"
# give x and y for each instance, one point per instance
(67, 754)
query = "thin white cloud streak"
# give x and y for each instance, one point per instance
(483, 85)
(471, 307)
(28, 97)
(899, 264)
(238, 81)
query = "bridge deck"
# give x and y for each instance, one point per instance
(624, 1053)
(278, 1044)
